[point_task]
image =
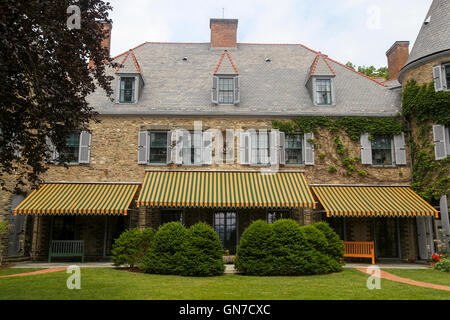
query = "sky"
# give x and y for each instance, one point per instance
(360, 31)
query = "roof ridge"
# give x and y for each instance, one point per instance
(136, 64)
(229, 58)
(124, 59)
(316, 62)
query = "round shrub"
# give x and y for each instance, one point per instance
(131, 246)
(291, 253)
(253, 253)
(335, 246)
(164, 256)
(319, 260)
(202, 252)
(443, 265)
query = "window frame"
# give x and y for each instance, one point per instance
(258, 149)
(149, 146)
(446, 75)
(391, 140)
(315, 93)
(133, 92)
(231, 78)
(192, 149)
(302, 137)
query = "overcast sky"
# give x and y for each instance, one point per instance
(360, 31)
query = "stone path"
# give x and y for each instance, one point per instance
(33, 272)
(392, 277)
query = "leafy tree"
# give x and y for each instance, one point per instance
(382, 72)
(45, 79)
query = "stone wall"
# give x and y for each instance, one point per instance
(423, 73)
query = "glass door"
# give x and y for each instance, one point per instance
(225, 224)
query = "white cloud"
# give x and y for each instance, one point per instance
(338, 28)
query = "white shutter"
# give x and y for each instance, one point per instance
(186, 147)
(366, 149)
(400, 150)
(439, 136)
(85, 147)
(178, 158)
(282, 148)
(422, 238)
(430, 233)
(52, 153)
(309, 149)
(215, 90)
(143, 147)
(237, 90)
(253, 147)
(274, 147)
(244, 147)
(230, 146)
(443, 208)
(207, 147)
(437, 76)
(169, 147)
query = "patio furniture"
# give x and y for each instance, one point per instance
(359, 249)
(66, 248)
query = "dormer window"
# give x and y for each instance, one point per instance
(127, 88)
(323, 92)
(226, 91)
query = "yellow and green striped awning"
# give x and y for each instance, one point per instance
(372, 201)
(225, 189)
(79, 198)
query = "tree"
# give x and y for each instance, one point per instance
(45, 79)
(382, 72)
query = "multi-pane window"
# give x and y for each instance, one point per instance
(323, 91)
(226, 91)
(158, 147)
(382, 150)
(225, 224)
(127, 87)
(73, 147)
(293, 149)
(192, 148)
(172, 216)
(447, 75)
(273, 216)
(260, 147)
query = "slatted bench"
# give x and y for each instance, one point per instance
(66, 248)
(359, 249)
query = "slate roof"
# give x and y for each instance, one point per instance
(274, 87)
(434, 36)
(321, 67)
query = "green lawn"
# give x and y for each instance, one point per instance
(106, 283)
(4, 272)
(424, 275)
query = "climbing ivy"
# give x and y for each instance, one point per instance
(354, 127)
(422, 106)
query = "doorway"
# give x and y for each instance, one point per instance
(387, 238)
(225, 224)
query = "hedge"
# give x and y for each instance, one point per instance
(131, 246)
(285, 248)
(202, 252)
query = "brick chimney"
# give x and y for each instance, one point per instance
(106, 42)
(223, 33)
(397, 56)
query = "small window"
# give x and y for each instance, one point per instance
(226, 91)
(225, 224)
(192, 152)
(382, 150)
(171, 216)
(323, 91)
(447, 75)
(127, 87)
(158, 147)
(273, 216)
(260, 148)
(73, 145)
(294, 149)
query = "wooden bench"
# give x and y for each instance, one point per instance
(358, 249)
(66, 248)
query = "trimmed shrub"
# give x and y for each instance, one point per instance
(202, 252)
(165, 253)
(335, 246)
(253, 253)
(443, 265)
(285, 248)
(131, 246)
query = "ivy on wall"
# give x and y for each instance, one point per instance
(423, 106)
(354, 127)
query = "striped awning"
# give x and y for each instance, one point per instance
(372, 201)
(225, 189)
(79, 198)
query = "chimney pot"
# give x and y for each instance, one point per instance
(223, 33)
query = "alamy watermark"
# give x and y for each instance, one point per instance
(74, 280)
(374, 281)
(74, 20)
